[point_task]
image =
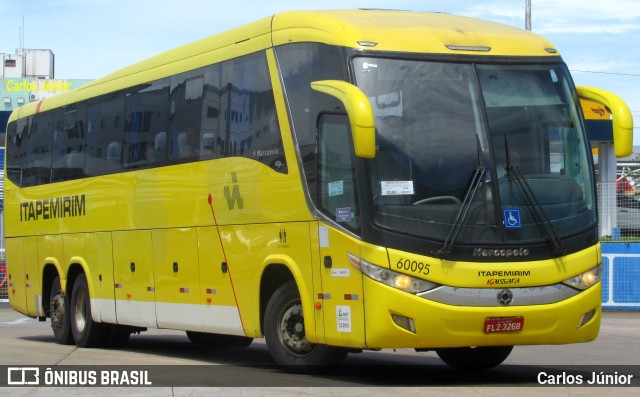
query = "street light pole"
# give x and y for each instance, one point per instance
(527, 15)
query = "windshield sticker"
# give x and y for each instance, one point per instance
(367, 66)
(512, 219)
(336, 188)
(343, 214)
(396, 188)
(387, 104)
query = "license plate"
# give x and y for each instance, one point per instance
(503, 324)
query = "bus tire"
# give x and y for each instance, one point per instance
(478, 358)
(285, 335)
(59, 313)
(218, 340)
(86, 332)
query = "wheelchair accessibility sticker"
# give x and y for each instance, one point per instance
(512, 219)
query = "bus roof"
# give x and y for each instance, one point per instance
(374, 30)
(408, 31)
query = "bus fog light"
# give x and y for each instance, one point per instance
(587, 317)
(404, 322)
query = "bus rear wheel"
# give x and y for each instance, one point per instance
(285, 334)
(59, 313)
(86, 332)
(478, 358)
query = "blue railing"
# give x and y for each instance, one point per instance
(621, 276)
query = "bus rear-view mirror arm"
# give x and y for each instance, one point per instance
(359, 111)
(622, 120)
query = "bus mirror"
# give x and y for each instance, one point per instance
(359, 111)
(622, 121)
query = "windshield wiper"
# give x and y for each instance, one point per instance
(538, 211)
(461, 215)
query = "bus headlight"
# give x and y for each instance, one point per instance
(585, 280)
(393, 279)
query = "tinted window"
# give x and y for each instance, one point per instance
(68, 143)
(16, 151)
(38, 161)
(146, 122)
(195, 109)
(105, 127)
(336, 174)
(251, 125)
(300, 64)
(220, 110)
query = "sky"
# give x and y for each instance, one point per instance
(91, 38)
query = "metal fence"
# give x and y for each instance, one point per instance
(4, 288)
(619, 211)
(621, 276)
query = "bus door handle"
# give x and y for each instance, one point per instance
(328, 262)
(175, 267)
(132, 267)
(224, 267)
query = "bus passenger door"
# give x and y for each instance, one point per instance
(133, 278)
(341, 291)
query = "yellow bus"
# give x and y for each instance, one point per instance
(331, 181)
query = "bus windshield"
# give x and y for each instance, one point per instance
(476, 153)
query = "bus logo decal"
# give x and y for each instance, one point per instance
(233, 194)
(283, 239)
(53, 208)
(505, 297)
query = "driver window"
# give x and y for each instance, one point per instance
(336, 182)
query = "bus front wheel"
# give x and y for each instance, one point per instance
(86, 332)
(59, 313)
(286, 338)
(478, 358)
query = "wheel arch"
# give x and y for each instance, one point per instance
(77, 266)
(50, 270)
(278, 270)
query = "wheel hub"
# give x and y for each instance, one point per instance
(292, 335)
(80, 312)
(57, 311)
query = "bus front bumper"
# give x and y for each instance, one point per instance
(396, 319)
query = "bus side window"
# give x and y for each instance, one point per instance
(105, 128)
(16, 151)
(188, 123)
(38, 161)
(68, 144)
(249, 112)
(336, 172)
(147, 114)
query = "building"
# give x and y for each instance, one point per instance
(28, 76)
